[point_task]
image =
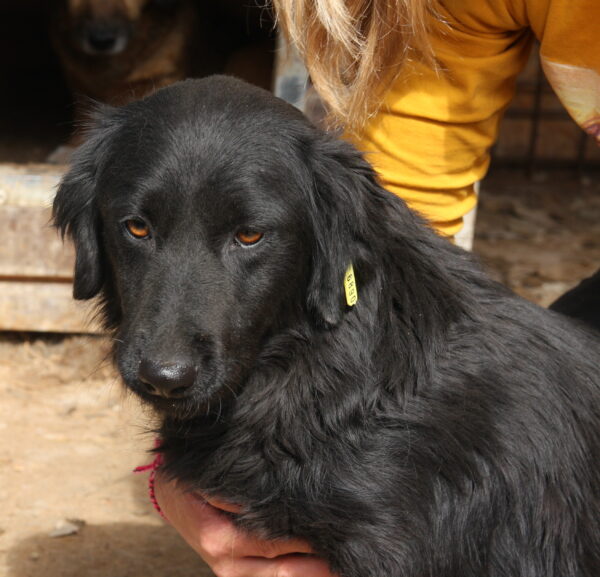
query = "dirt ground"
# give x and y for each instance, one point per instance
(71, 437)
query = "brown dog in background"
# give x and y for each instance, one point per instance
(116, 51)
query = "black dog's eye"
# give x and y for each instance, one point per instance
(248, 237)
(137, 228)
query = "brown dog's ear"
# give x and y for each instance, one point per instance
(75, 212)
(337, 208)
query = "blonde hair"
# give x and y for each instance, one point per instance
(354, 49)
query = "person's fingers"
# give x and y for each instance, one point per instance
(229, 507)
(250, 545)
(301, 566)
(219, 535)
(286, 566)
(213, 534)
(229, 551)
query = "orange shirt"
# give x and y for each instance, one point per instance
(430, 141)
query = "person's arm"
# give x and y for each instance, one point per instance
(228, 551)
(431, 140)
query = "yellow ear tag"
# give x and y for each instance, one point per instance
(350, 286)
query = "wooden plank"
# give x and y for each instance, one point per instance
(29, 184)
(44, 307)
(35, 267)
(30, 247)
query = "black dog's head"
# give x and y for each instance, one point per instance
(208, 217)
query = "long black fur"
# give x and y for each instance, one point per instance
(442, 427)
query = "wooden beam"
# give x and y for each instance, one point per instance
(30, 247)
(36, 269)
(44, 306)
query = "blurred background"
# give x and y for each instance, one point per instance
(69, 503)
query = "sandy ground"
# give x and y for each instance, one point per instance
(70, 436)
(70, 440)
(539, 236)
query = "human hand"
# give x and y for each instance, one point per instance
(229, 551)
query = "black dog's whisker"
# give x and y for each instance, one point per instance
(233, 393)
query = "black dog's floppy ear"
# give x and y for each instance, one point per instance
(75, 212)
(342, 179)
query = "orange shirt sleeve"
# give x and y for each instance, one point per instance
(569, 34)
(431, 140)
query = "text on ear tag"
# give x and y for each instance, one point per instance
(350, 286)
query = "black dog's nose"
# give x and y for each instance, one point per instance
(171, 380)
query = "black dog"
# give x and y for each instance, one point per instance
(440, 427)
(582, 302)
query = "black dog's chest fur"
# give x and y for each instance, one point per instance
(441, 427)
(470, 476)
